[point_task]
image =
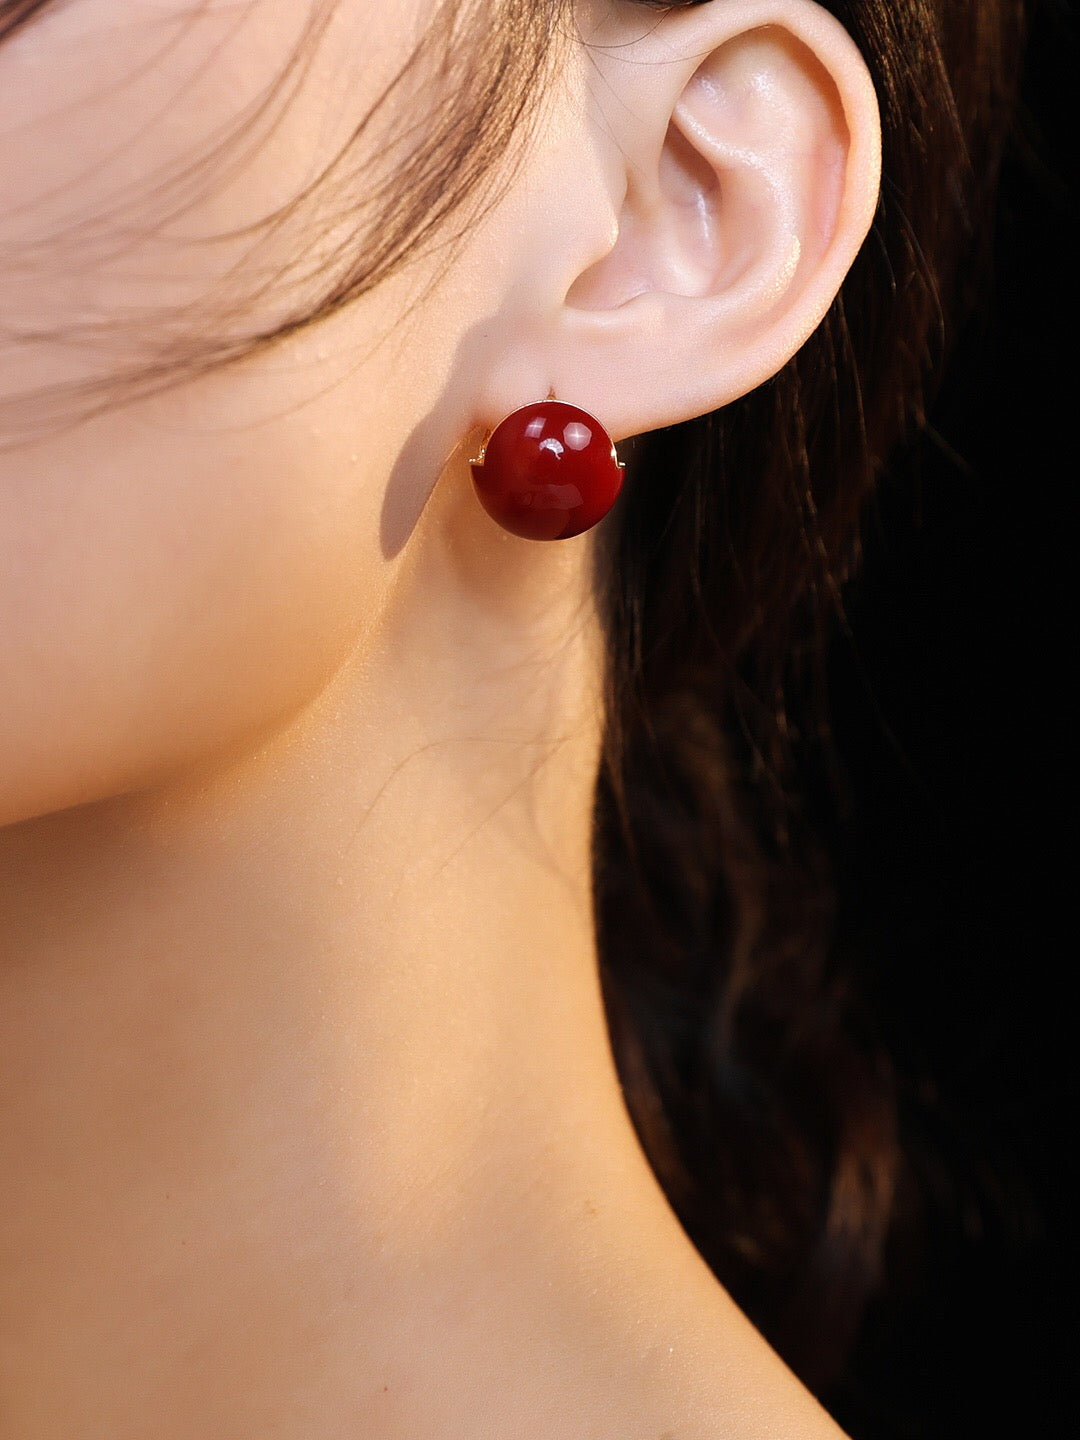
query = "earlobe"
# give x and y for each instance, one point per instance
(750, 142)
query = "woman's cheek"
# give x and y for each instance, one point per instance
(165, 593)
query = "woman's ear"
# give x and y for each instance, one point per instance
(733, 176)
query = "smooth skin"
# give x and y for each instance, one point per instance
(309, 1125)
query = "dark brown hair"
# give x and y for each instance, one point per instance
(758, 1088)
(761, 1096)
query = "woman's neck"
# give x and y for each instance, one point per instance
(308, 1120)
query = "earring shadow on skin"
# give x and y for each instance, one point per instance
(426, 451)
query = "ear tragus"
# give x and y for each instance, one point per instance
(668, 236)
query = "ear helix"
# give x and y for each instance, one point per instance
(548, 471)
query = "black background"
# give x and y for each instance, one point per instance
(954, 728)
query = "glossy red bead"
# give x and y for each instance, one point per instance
(548, 471)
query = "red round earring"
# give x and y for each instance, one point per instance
(548, 471)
